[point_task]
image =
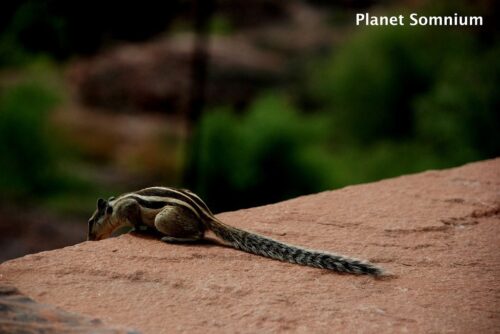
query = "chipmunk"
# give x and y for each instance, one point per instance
(179, 215)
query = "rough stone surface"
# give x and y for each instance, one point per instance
(438, 231)
(20, 314)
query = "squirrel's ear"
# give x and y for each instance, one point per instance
(109, 209)
(101, 203)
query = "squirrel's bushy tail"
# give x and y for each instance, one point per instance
(264, 246)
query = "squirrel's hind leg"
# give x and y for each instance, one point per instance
(179, 224)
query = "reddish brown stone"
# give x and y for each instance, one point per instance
(438, 231)
(20, 314)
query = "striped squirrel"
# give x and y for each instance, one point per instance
(181, 216)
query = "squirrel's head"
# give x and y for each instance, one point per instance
(99, 224)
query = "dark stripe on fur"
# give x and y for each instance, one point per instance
(196, 199)
(149, 204)
(181, 195)
(157, 205)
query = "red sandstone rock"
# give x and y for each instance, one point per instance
(20, 314)
(438, 231)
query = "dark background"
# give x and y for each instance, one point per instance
(244, 102)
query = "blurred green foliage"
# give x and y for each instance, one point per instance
(460, 116)
(388, 101)
(370, 85)
(36, 164)
(270, 153)
(425, 96)
(27, 156)
(391, 101)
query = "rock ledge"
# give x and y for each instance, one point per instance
(438, 231)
